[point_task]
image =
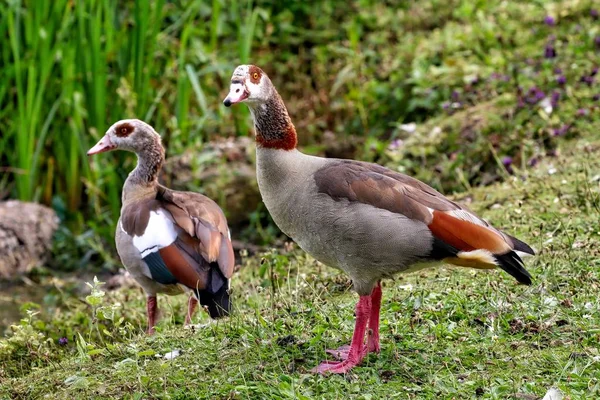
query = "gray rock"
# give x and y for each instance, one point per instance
(26, 231)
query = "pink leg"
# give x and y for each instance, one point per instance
(373, 333)
(192, 304)
(151, 311)
(356, 352)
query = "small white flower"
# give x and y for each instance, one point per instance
(172, 354)
(546, 105)
(409, 128)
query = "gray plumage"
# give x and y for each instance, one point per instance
(366, 242)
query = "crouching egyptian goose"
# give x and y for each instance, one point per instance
(362, 218)
(169, 241)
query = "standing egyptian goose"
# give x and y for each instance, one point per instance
(169, 241)
(362, 218)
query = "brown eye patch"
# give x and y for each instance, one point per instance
(255, 74)
(124, 129)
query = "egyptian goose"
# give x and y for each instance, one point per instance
(169, 241)
(362, 218)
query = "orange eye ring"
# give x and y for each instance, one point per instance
(255, 75)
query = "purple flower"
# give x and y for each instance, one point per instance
(549, 51)
(554, 99)
(582, 112)
(395, 144)
(63, 341)
(455, 96)
(532, 161)
(594, 13)
(561, 80)
(558, 70)
(550, 21)
(534, 95)
(507, 162)
(561, 131)
(594, 71)
(596, 97)
(587, 79)
(446, 105)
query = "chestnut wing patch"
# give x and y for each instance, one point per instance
(465, 235)
(177, 263)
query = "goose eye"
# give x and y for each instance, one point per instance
(255, 75)
(123, 131)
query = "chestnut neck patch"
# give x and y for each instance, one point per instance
(274, 128)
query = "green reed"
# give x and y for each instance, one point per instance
(71, 69)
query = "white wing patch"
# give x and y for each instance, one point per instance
(160, 232)
(467, 216)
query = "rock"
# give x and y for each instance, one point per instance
(26, 231)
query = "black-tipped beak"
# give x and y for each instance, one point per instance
(237, 94)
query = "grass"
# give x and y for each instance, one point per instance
(446, 332)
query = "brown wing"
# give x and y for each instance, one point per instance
(204, 225)
(385, 189)
(135, 216)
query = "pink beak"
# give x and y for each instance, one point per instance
(103, 145)
(237, 94)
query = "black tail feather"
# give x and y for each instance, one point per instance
(512, 263)
(218, 304)
(521, 246)
(216, 295)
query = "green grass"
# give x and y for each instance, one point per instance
(446, 332)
